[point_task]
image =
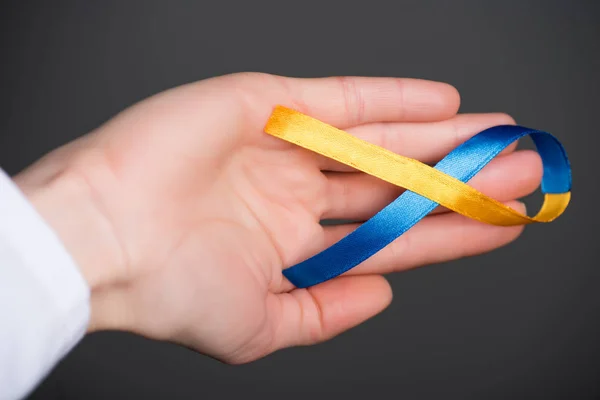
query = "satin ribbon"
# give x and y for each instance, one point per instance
(427, 187)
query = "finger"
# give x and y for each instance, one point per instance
(434, 239)
(351, 101)
(427, 143)
(347, 101)
(309, 316)
(359, 196)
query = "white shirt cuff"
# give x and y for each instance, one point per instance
(44, 300)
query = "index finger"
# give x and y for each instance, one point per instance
(347, 101)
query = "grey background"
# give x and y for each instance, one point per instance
(521, 322)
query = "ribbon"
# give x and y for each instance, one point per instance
(426, 187)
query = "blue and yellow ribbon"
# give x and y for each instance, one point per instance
(427, 187)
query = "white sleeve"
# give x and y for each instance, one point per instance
(44, 300)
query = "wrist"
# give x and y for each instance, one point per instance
(65, 201)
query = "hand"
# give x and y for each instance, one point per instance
(182, 213)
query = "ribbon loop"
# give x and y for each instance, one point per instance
(427, 187)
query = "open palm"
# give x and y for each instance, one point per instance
(201, 210)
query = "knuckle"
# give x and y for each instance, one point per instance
(354, 102)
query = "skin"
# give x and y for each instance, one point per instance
(182, 213)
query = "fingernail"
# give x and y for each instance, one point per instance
(524, 207)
